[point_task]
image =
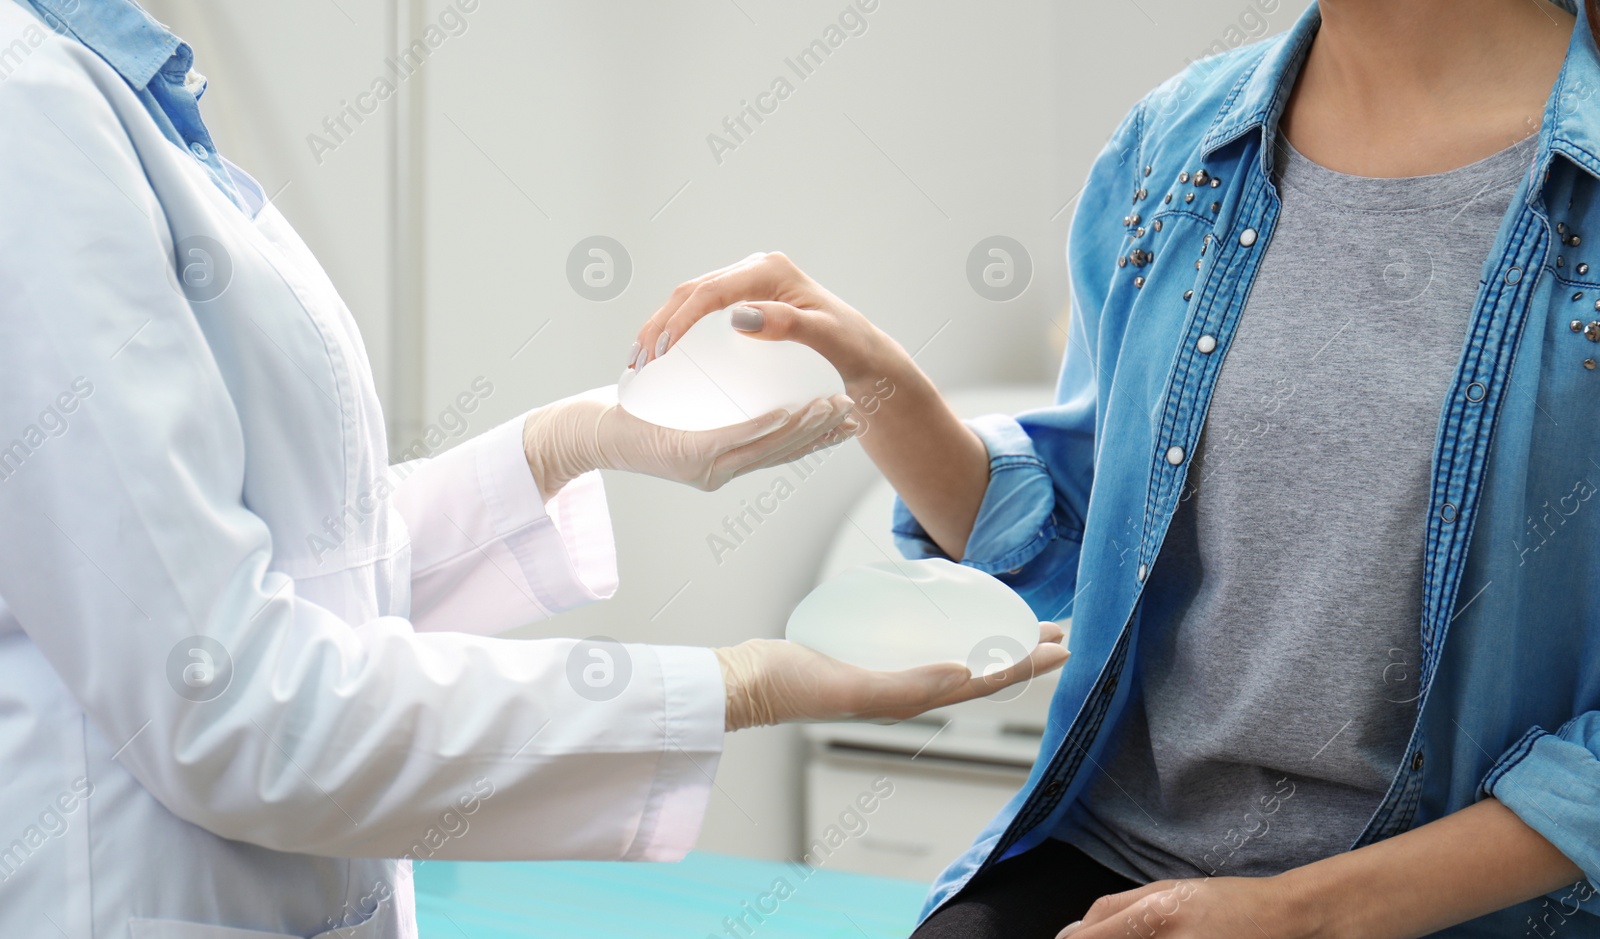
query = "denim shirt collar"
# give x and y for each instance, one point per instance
(1260, 95)
(119, 31)
(1569, 116)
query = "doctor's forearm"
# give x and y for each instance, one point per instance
(1472, 862)
(937, 464)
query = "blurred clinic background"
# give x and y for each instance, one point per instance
(458, 213)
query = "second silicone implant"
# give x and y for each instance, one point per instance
(901, 614)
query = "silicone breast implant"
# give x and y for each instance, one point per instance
(901, 614)
(716, 376)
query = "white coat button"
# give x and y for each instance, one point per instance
(1206, 344)
(1247, 237)
(1174, 455)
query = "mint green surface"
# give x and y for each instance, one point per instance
(558, 900)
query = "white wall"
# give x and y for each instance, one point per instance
(276, 71)
(545, 123)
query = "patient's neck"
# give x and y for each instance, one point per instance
(1424, 86)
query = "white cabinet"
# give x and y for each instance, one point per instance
(933, 783)
(933, 808)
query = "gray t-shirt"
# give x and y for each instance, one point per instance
(1281, 635)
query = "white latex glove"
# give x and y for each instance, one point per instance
(591, 431)
(775, 681)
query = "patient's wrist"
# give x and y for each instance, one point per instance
(1318, 904)
(884, 370)
(858, 349)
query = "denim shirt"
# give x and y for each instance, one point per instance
(157, 65)
(1169, 232)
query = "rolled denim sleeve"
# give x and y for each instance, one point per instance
(1552, 781)
(1016, 519)
(1029, 529)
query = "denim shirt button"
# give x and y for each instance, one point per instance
(1174, 455)
(1513, 275)
(1247, 237)
(1416, 762)
(1447, 512)
(1206, 344)
(198, 149)
(1475, 392)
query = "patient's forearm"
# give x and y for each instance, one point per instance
(935, 462)
(1469, 863)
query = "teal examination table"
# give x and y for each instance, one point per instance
(705, 895)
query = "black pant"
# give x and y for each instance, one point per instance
(1030, 896)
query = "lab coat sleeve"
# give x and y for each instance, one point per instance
(126, 546)
(488, 552)
(1029, 527)
(1551, 780)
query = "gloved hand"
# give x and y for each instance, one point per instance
(591, 431)
(775, 681)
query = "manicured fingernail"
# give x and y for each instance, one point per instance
(747, 319)
(638, 363)
(1071, 927)
(633, 353)
(661, 345)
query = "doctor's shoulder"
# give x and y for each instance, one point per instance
(60, 104)
(38, 63)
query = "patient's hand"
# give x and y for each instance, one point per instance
(938, 465)
(1209, 908)
(783, 303)
(774, 681)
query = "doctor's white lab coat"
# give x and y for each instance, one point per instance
(237, 675)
